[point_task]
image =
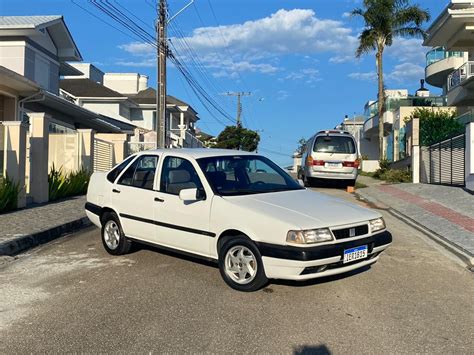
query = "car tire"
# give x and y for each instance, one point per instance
(113, 239)
(241, 266)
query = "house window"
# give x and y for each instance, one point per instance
(42, 72)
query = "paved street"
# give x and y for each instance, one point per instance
(70, 296)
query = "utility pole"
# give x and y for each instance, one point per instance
(161, 53)
(239, 104)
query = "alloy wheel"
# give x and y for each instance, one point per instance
(240, 264)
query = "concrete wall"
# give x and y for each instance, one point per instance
(106, 108)
(12, 56)
(63, 151)
(143, 118)
(124, 83)
(89, 72)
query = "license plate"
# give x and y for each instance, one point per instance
(355, 254)
(333, 165)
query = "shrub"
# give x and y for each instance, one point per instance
(396, 176)
(9, 191)
(63, 184)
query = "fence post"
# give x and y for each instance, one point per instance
(39, 154)
(469, 157)
(415, 151)
(15, 156)
(86, 148)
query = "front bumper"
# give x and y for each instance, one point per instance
(303, 263)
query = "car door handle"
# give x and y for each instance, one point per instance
(157, 199)
(116, 191)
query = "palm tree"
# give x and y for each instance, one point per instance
(385, 20)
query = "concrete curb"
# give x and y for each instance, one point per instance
(466, 257)
(24, 242)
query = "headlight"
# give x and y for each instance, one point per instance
(377, 225)
(309, 236)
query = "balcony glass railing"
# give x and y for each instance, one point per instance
(393, 104)
(461, 74)
(439, 53)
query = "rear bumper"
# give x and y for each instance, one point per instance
(293, 263)
(327, 174)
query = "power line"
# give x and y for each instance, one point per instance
(131, 25)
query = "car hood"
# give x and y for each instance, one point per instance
(305, 208)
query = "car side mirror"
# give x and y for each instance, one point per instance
(189, 195)
(301, 182)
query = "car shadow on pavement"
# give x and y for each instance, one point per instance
(136, 247)
(321, 280)
(312, 349)
(329, 184)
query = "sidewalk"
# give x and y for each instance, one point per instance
(29, 227)
(445, 212)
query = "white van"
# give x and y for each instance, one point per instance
(330, 155)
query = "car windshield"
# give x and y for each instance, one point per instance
(334, 144)
(245, 175)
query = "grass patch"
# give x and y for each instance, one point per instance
(360, 185)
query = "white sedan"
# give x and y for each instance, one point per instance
(236, 208)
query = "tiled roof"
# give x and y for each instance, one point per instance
(87, 88)
(148, 96)
(26, 21)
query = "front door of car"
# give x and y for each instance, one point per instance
(182, 225)
(133, 198)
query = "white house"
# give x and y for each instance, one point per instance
(38, 127)
(127, 97)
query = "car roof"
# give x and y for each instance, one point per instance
(197, 153)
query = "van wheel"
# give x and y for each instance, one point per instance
(241, 266)
(113, 239)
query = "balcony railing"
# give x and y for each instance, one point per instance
(460, 75)
(439, 53)
(392, 104)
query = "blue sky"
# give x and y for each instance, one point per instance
(296, 57)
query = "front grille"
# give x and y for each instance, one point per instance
(320, 268)
(346, 232)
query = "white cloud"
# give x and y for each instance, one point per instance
(366, 76)
(307, 76)
(403, 73)
(338, 59)
(143, 63)
(346, 14)
(407, 73)
(137, 48)
(282, 95)
(407, 50)
(252, 46)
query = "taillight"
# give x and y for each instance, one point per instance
(318, 162)
(351, 164)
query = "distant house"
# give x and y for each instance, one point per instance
(38, 127)
(127, 97)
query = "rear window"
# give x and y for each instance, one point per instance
(112, 175)
(334, 144)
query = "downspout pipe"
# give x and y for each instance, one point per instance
(37, 97)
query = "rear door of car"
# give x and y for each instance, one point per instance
(133, 197)
(183, 225)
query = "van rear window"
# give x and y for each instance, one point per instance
(334, 144)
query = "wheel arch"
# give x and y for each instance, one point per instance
(227, 234)
(105, 210)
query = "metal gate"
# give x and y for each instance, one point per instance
(103, 155)
(443, 163)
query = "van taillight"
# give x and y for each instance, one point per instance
(318, 162)
(351, 164)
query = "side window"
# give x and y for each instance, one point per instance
(112, 175)
(178, 174)
(141, 173)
